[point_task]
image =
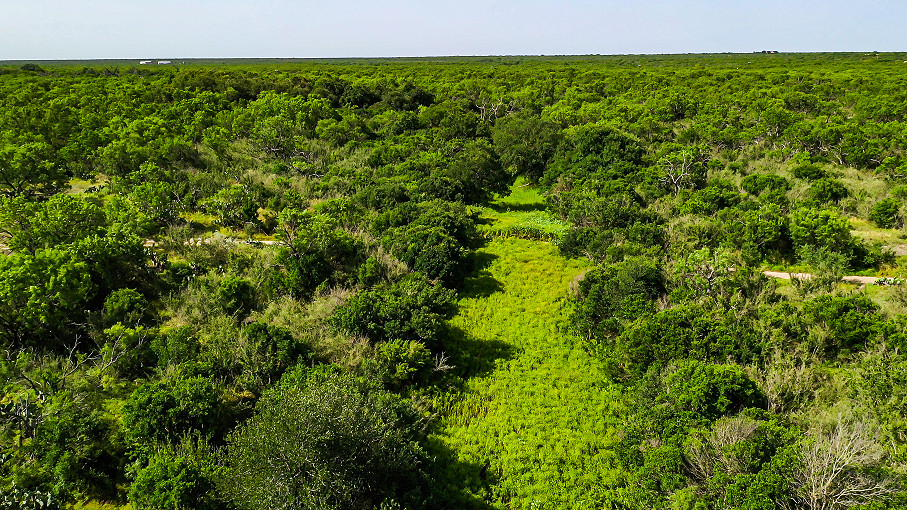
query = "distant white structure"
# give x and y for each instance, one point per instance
(162, 62)
(145, 62)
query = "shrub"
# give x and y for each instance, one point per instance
(614, 296)
(885, 214)
(127, 306)
(324, 442)
(851, 321)
(827, 190)
(809, 171)
(412, 309)
(236, 296)
(180, 478)
(165, 410)
(822, 229)
(757, 183)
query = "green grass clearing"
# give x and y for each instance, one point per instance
(533, 428)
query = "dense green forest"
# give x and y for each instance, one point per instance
(527, 283)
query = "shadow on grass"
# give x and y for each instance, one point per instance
(480, 283)
(457, 484)
(474, 357)
(505, 207)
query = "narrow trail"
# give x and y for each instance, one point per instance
(865, 280)
(534, 428)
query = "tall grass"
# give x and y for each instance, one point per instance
(533, 429)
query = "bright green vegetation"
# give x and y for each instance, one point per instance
(502, 282)
(533, 431)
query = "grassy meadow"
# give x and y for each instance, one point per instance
(532, 428)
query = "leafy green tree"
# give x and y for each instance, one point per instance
(851, 322)
(756, 184)
(679, 333)
(885, 213)
(61, 220)
(279, 123)
(42, 297)
(822, 228)
(313, 251)
(178, 478)
(614, 296)
(163, 411)
(526, 143)
(757, 232)
(27, 168)
(411, 309)
(325, 442)
(825, 190)
(267, 352)
(126, 306)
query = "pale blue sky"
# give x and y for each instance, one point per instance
(89, 29)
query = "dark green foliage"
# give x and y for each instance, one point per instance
(824, 191)
(402, 362)
(313, 252)
(851, 322)
(175, 346)
(411, 309)
(236, 296)
(614, 296)
(20, 498)
(594, 149)
(680, 333)
(756, 232)
(163, 411)
(131, 348)
(432, 252)
(325, 442)
(526, 144)
(176, 479)
(27, 168)
(705, 391)
(707, 201)
(885, 213)
(756, 184)
(809, 171)
(267, 352)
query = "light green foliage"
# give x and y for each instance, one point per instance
(29, 226)
(533, 425)
(41, 295)
(822, 228)
(27, 168)
(403, 361)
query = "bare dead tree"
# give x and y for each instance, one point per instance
(441, 363)
(678, 171)
(713, 452)
(836, 466)
(489, 110)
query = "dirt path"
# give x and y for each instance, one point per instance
(866, 280)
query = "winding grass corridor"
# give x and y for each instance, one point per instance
(535, 422)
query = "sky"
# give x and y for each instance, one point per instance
(113, 29)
